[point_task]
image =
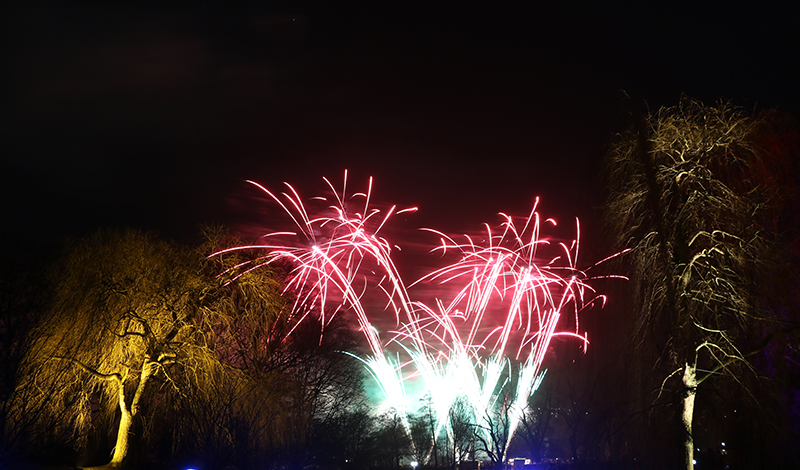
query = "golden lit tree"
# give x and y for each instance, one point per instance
(126, 312)
(696, 195)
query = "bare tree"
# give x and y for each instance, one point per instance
(326, 383)
(695, 196)
(421, 438)
(536, 420)
(424, 432)
(393, 439)
(346, 440)
(492, 432)
(462, 431)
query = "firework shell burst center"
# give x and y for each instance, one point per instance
(482, 331)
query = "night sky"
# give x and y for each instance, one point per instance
(153, 117)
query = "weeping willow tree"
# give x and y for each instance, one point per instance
(696, 193)
(147, 340)
(125, 314)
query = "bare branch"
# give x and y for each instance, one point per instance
(113, 376)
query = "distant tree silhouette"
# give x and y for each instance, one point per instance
(393, 440)
(536, 420)
(492, 432)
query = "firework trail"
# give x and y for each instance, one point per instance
(501, 278)
(333, 257)
(454, 342)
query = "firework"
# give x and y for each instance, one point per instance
(481, 337)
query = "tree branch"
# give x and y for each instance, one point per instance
(98, 375)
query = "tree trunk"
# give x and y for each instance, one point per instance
(128, 414)
(690, 383)
(125, 421)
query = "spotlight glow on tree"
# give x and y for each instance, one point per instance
(480, 338)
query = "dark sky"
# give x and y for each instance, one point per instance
(153, 117)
